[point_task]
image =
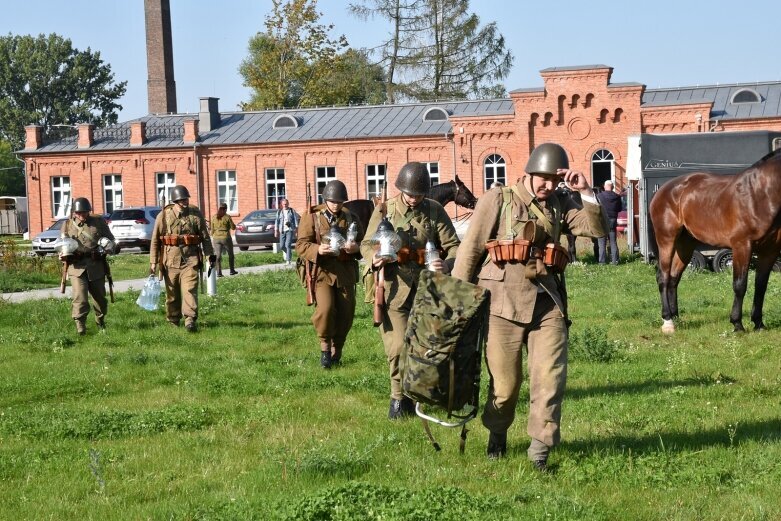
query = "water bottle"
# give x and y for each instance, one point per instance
(432, 254)
(150, 294)
(352, 232)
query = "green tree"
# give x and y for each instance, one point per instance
(11, 176)
(351, 79)
(44, 80)
(290, 59)
(438, 49)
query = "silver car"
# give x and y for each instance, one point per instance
(43, 243)
(133, 227)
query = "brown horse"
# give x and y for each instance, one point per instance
(444, 193)
(742, 212)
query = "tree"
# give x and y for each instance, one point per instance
(11, 176)
(351, 79)
(289, 59)
(45, 81)
(438, 49)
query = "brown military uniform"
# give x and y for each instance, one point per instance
(180, 262)
(336, 277)
(401, 280)
(87, 270)
(528, 304)
(222, 241)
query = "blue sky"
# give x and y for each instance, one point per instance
(665, 43)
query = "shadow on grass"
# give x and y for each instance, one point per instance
(649, 387)
(675, 441)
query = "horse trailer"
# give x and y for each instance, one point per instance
(13, 215)
(665, 157)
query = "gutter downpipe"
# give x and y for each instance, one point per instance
(453, 142)
(198, 176)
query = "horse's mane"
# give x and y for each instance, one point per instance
(768, 156)
(436, 189)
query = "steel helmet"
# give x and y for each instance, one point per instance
(335, 191)
(179, 192)
(413, 179)
(546, 159)
(81, 204)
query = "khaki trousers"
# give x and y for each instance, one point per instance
(546, 338)
(181, 293)
(393, 329)
(81, 288)
(334, 312)
(221, 245)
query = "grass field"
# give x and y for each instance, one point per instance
(239, 421)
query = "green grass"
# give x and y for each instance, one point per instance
(20, 272)
(239, 422)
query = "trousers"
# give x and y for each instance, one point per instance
(546, 338)
(602, 244)
(334, 312)
(81, 288)
(221, 245)
(286, 244)
(181, 292)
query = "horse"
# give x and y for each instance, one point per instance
(742, 212)
(452, 191)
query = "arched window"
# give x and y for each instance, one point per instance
(617, 115)
(575, 99)
(602, 164)
(494, 170)
(435, 114)
(548, 118)
(285, 121)
(603, 115)
(746, 96)
(589, 99)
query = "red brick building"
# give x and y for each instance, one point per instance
(250, 159)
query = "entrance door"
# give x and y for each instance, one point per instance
(601, 168)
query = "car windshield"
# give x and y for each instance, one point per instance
(57, 225)
(261, 214)
(127, 215)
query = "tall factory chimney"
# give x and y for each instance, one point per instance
(161, 87)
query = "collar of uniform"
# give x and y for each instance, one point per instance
(406, 208)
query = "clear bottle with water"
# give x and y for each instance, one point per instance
(352, 232)
(150, 294)
(432, 254)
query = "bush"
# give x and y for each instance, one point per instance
(593, 345)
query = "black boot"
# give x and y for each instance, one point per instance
(325, 359)
(400, 409)
(408, 406)
(497, 445)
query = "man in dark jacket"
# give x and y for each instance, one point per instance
(611, 203)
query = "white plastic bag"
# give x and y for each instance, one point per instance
(150, 294)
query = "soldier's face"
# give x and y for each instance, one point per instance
(542, 186)
(333, 206)
(183, 203)
(412, 200)
(82, 216)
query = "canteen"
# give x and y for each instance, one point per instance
(66, 246)
(150, 294)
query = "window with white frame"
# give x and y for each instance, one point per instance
(227, 190)
(112, 192)
(494, 170)
(275, 186)
(375, 178)
(323, 174)
(61, 196)
(165, 183)
(433, 172)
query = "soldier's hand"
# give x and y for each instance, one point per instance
(440, 266)
(324, 249)
(212, 259)
(379, 262)
(152, 268)
(351, 247)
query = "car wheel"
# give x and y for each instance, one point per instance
(722, 261)
(243, 248)
(698, 261)
(117, 249)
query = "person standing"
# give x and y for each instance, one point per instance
(528, 297)
(416, 220)
(180, 240)
(221, 226)
(337, 270)
(285, 228)
(87, 267)
(611, 203)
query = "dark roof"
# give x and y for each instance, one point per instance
(370, 121)
(721, 96)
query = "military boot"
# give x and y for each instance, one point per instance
(538, 455)
(497, 445)
(101, 322)
(190, 326)
(325, 359)
(81, 326)
(400, 409)
(336, 354)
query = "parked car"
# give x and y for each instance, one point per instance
(133, 227)
(43, 243)
(256, 229)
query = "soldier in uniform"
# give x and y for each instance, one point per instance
(179, 242)
(221, 226)
(87, 266)
(528, 297)
(337, 271)
(416, 220)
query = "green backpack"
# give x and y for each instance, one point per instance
(440, 362)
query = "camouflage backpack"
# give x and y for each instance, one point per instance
(440, 362)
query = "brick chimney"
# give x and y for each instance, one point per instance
(190, 131)
(161, 87)
(33, 137)
(86, 133)
(209, 115)
(137, 133)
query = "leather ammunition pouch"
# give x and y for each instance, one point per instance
(94, 255)
(181, 240)
(521, 250)
(417, 256)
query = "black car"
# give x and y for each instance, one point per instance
(256, 229)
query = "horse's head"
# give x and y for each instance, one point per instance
(464, 196)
